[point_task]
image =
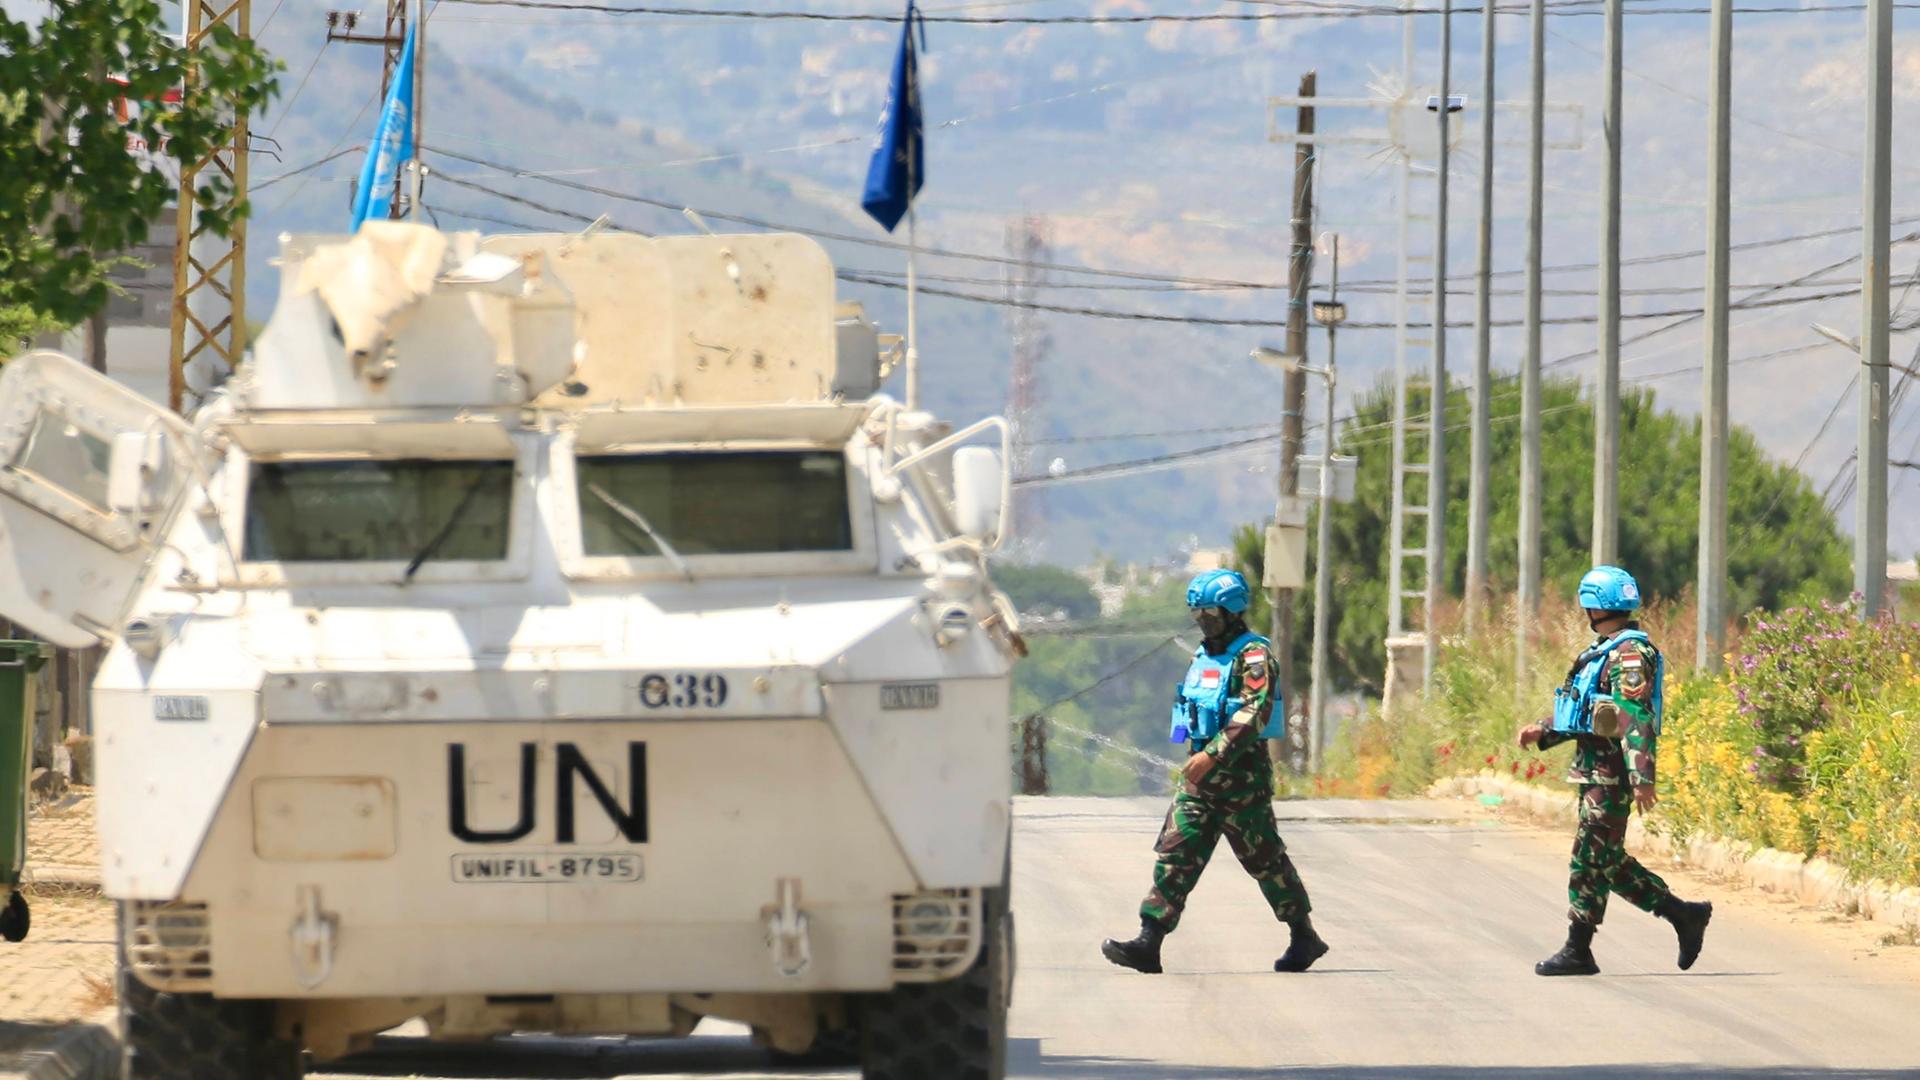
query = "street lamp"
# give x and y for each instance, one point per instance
(1329, 313)
(1828, 332)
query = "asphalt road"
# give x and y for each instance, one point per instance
(1436, 913)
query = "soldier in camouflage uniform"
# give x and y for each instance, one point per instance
(1610, 709)
(1226, 785)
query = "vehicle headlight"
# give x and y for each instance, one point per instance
(929, 920)
(955, 622)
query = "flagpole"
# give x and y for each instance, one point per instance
(913, 288)
(419, 108)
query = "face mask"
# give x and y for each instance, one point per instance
(1212, 621)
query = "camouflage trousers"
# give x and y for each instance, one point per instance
(1187, 840)
(1601, 865)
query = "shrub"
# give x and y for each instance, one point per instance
(1799, 669)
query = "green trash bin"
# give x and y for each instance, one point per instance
(18, 661)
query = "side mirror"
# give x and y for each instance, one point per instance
(979, 492)
(133, 471)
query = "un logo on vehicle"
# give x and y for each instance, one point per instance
(630, 817)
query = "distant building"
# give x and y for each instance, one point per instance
(139, 323)
(1204, 559)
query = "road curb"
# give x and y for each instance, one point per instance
(1816, 882)
(85, 1051)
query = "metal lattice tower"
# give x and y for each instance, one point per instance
(1028, 242)
(1411, 411)
(209, 270)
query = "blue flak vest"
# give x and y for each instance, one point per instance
(1201, 705)
(1573, 700)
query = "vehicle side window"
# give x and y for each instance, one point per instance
(67, 457)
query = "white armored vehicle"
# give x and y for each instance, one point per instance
(539, 633)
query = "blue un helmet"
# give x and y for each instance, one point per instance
(1609, 588)
(1219, 588)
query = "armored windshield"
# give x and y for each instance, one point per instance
(371, 511)
(715, 503)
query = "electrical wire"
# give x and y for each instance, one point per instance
(308, 167)
(1104, 679)
(287, 109)
(1143, 435)
(545, 208)
(1562, 8)
(1073, 268)
(1753, 300)
(332, 152)
(1689, 314)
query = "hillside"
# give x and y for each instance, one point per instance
(1145, 148)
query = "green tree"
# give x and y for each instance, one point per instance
(73, 194)
(1107, 688)
(1784, 546)
(1044, 588)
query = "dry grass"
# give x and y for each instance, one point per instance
(99, 993)
(60, 891)
(1906, 935)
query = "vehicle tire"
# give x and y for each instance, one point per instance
(16, 919)
(200, 1037)
(952, 1030)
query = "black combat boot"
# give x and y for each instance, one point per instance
(1304, 949)
(1689, 923)
(1575, 957)
(1142, 954)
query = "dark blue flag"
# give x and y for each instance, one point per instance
(898, 169)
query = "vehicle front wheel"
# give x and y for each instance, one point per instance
(951, 1030)
(199, 1037)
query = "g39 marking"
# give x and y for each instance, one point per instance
(683, 690)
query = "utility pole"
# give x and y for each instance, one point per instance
(1870, 504)
(1712, 586)
(341, 26)
(1529, 576)
(418, 167)
(1027, 246)
(1606, 394)
(1294, 395)
(1480, 483)
(210, 270)
(1330, 315)
(1437, 392)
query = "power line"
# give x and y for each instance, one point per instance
(1202, 320)
(333, 151)
(491, 220)
(544, 208)
(262, 32)
(308, 167)
(1104, 679)
(1104, 286)
(1688, 318)
(1561, 8)
(1641, 260)
(1072, 268)
(1143, 435)
(287, 109)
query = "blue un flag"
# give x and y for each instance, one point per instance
(898, 169)
(392, 144)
